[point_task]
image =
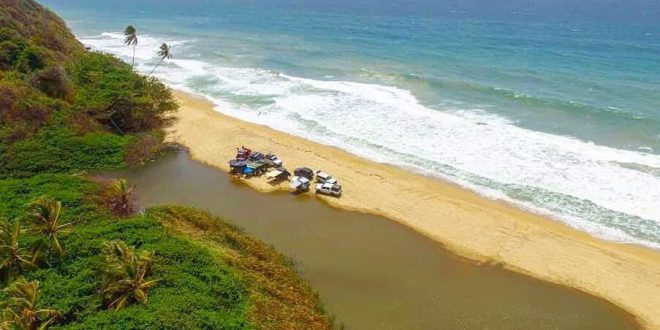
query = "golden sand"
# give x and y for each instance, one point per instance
(467, 224)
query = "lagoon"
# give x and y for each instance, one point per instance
(369, 271)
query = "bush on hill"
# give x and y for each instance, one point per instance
(64, 111)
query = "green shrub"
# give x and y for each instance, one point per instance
(197, 291)
(107, 87)
(8, 34)
(15, 194)
(143, 148)
(56, 102)
(8, 54)
(34, 58)
(61, 151)
(53, 81)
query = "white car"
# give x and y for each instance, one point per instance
(323, 177)
(331, 189)
(274, 160)
(300, 183)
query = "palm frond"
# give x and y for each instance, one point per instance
(130, 34)
(44, 212)
(15, 258)
(21, 311)
(165, 51)
(124, 273)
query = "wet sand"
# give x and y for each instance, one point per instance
(373, 273)
(465, 223)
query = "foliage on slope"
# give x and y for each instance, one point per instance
(65, 110)
(213, 276)
(89, 108)
(45, 28)
(279, 298)
(197, 290)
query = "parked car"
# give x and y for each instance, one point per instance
(274, 160)
(304, 172)
(323, 177)
(328, 189)
(256, 156)
(243, 153)
(237, 166)
(255, 168)
(300, 183)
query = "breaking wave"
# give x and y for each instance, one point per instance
(611, 193)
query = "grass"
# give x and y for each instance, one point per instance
(280, 298)
(65, 111)
(59, 151)
(214, 276)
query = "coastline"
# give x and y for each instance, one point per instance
(469, 225)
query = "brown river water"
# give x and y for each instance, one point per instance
(373, 273)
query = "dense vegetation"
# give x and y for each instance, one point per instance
(73, 252)
(211, 275)
(56, 98)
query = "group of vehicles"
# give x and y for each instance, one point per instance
(248, 163)
(325, 183)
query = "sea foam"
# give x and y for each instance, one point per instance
(578, 182)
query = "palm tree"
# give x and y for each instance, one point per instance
(124, 275)
(21, 311)
(14, 259)
(131, 39)
(164, 53)
(121, 198)
(45, 213)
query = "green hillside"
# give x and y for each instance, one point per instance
(75, 253)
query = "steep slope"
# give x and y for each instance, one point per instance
(39, 24)
(81, 245)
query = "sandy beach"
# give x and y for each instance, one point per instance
(465, 223)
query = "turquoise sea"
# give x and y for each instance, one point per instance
(551, 105)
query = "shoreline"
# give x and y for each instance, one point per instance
(474, 227)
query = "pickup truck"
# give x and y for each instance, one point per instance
(323, 177)
(331, 189)
(274, 160)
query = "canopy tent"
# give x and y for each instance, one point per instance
(272, 174)
(238, 163)
(256, 165)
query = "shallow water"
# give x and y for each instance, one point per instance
(373, 273)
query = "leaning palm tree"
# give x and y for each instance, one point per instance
(131, 39)
(44, 213)
(124, 274)
(121, 198)
(164, 52)
(21, 311)
(13, 258)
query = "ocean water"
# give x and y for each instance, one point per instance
(554, 107)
